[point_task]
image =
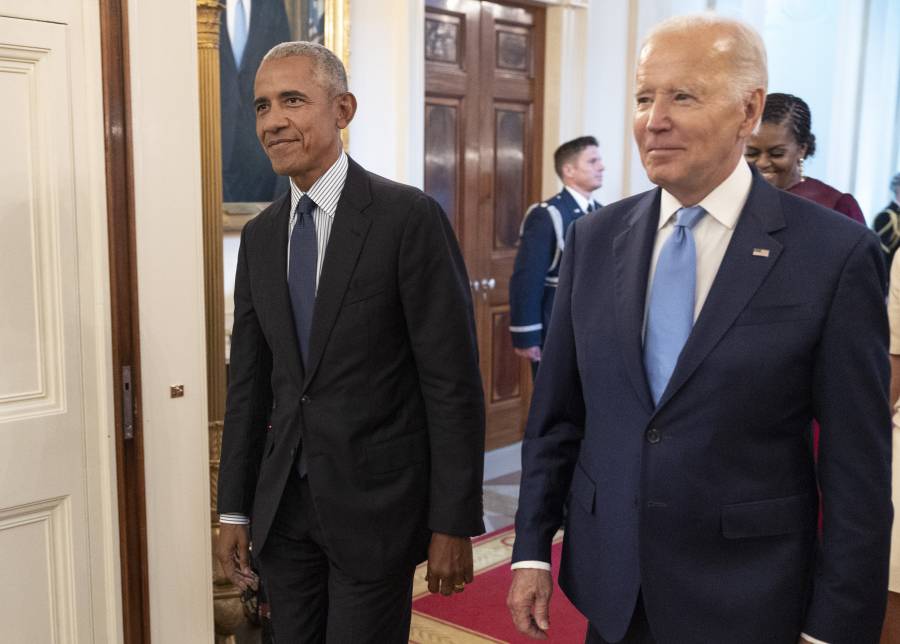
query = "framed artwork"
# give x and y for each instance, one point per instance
(249, 28)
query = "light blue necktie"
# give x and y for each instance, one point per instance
(670, 312)
(239, 35)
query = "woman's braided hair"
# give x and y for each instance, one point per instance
(787, 108)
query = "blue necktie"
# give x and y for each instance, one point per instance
(239, 36)
(302, 272)
(670, 312)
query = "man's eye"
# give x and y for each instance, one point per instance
(261, 108)
(681, 96)
(643, 100)
(293, 100)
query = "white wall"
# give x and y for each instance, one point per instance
(165, 121)
(387, 74)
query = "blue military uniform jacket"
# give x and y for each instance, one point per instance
(535, 274)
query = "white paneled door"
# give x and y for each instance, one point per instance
(57, 563)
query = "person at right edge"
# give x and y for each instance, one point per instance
(887, 223)
(698, 329)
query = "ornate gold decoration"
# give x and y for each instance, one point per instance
(227, 608)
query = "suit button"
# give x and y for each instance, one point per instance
(305, 399)
(653, 436)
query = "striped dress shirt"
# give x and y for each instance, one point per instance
(325, 193)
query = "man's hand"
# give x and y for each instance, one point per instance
(449, 564)
(529, 601)
(233, 553)
(532, 353)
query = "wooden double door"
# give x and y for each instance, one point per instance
(483, 95)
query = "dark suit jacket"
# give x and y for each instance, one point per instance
(708, 502)
(531, 293)
(390, 410)
(246, 170)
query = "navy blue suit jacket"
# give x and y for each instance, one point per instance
(532, 285)
(708, 502)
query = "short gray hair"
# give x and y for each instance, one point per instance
(329, 70)
(895, 182)
(748, 55)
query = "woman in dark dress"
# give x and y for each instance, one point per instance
(781, 144)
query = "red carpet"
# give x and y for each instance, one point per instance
(479, 614)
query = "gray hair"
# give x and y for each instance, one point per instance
(329, 70)
(895, 182)
(747, 56)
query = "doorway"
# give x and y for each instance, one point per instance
(483, 115)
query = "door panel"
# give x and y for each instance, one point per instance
(44, 531)
(483, 71)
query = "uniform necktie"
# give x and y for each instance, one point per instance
(670, 312)
(302, 272)
(592, 206)
(239, 33)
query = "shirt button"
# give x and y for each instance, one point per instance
(305, 399)
(653, 436)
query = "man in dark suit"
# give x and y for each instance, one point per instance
(354, 343)
(698, 329)
(542, 240)
(887, 224)
(246, 171)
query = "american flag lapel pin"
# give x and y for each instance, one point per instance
(760, 252)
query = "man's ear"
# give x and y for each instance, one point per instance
(753, 109)
(345, 106)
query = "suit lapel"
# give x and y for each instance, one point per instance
(632, 250)
(348, 232)
(740, 275)
(275, 271)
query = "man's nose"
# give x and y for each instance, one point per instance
(658, 117)
(273, 120)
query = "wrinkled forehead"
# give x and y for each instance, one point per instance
(701, 51)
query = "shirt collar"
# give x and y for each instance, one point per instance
(326, 191)
(724, 204)
(582, 201)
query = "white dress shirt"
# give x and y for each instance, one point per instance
(582, 201)
(325, 192)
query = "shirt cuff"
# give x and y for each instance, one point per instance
(811, 639)
(234, 519)
(538, 565)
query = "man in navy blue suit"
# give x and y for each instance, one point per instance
(698, 329)
(541, 242)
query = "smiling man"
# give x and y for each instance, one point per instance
(698, 329)
(354, 429)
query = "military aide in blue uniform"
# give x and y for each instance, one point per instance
(533, 282)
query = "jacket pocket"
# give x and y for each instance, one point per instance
(397, 453)
(583, 489)
(768, 517)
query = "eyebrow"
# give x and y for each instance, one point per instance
(291, 93)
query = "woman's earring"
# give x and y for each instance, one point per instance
(802, 178)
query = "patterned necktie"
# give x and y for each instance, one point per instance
(302, 272)
(239, 33)
(670, 312)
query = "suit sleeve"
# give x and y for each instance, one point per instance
(249, 399)
(850, 398)
(537, 245)
(555, 426)
(437, 306)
